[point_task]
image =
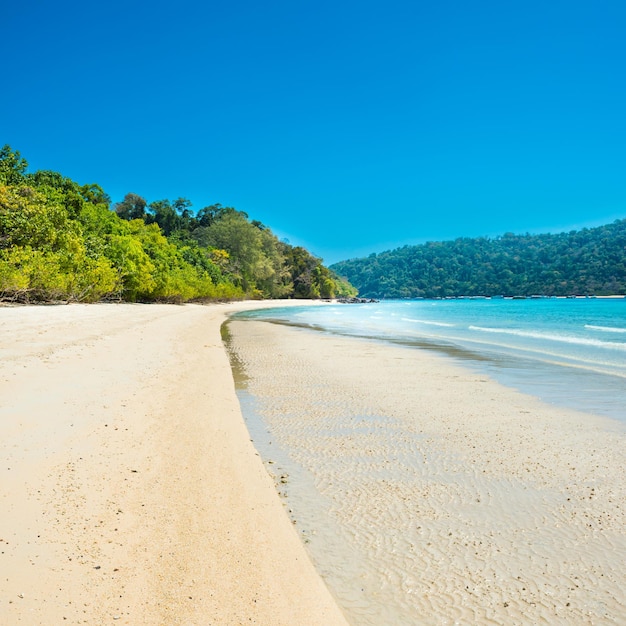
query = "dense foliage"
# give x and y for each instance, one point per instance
(585, 262)
(61, 241)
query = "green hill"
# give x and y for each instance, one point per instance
(584, 262)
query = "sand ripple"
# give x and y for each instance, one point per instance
(430, 495)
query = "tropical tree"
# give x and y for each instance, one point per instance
(132, 207)
(12, 166)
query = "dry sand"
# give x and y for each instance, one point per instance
(130, 492)
(435, 495)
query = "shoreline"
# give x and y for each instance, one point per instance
(130, 490)
(589, 382)
(457, 498)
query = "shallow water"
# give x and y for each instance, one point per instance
(569, 352)
(403, 527)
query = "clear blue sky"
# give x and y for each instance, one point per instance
(348, 127)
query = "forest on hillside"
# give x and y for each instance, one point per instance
(591, 261)
(63, 241)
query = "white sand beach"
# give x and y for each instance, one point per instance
(130, 491)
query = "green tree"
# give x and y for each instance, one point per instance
(12, 166)
(132, 207)
(162, 212)
(42, 251)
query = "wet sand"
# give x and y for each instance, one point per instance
(429, 494)
(130, 491)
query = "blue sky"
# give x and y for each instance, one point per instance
(348, 127)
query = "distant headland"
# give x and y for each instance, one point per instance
(587, 262)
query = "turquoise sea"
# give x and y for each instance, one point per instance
(569, 352)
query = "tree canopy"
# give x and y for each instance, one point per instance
(60, 240)
(591, 261)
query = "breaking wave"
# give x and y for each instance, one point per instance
(581, 341)
(428, 322)
(605, 329)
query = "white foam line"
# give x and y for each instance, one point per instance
(541, 355)
(428, 323)
(606, 329)
(581, 341)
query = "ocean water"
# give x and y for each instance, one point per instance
(568, 352)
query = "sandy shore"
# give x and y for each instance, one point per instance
(130, 491)
(433, 495)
